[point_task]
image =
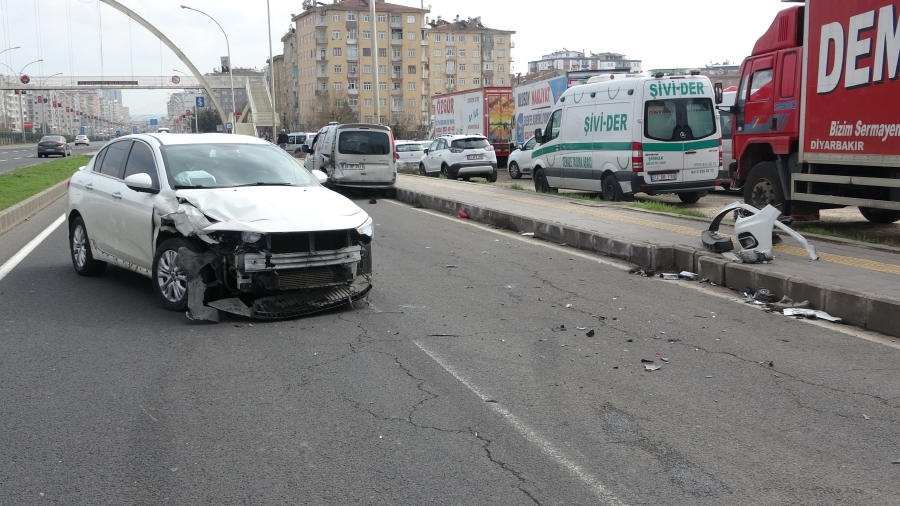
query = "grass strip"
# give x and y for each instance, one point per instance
(662, 207)
(19, 184)
(821, 229)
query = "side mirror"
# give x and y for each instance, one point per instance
(140, 183)
(522, 147)
(320, 176)
(427, 151)
(720, 93)
(539, 136)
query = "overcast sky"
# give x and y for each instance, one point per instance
(662, 33)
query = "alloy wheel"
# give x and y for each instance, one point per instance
(172, 282)
(79, 246)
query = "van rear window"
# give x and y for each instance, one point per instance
(679, 119)
(474, 143)
(364, 143)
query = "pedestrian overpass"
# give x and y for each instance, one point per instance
(256, 113)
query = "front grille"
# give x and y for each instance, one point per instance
(305, 278)
(304, 242)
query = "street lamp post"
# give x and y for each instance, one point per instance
(230, 73)
(21, 113)
(272, 72)
(196, 120)
(44, 108)
(3, 106)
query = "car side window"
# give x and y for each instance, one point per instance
(141, 161)
(530, 144)
(443, 144)
(114, 161)
(434, 146)
(553, 125)
(98, 161)
(291, 139)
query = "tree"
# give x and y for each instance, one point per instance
(328, 108)
(207, 119)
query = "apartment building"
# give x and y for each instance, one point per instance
(328, 56)
(578, 60)
(464, 54)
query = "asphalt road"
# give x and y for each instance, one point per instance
(455, 384)
(24, 156)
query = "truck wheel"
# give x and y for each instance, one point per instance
(612, 192)
(540, 182)
(763, 188)
(880, 215)
(690, 197)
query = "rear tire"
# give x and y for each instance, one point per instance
(690, 197)
(514, 171)
(169, 283)
(880, 215)
(80, 250)
(445, 170)
(493, 177)
(763, 188)
(541, 185)
(612, 192)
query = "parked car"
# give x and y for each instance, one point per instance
(296, 141)
(53, 145)
(409, 154)
(82, 139)
(520, 159)
(219, 222)
(460, 156)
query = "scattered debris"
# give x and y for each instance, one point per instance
(528, 234)
(652, 367)
(708, 377)
(754, 229)
(690, 276)
(812, 314)
(590, 333)
(669, 276)
(788, 303)
(568, 306)
(704, 280)
(373, 201)
(450, 266)
(764, 295)
(866, 417)
(646, 361)
(462, 214)
(581, 328)
(491, 400)
(630, 340)
(664, 359)
(644, 273)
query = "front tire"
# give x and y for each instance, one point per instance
(880, 215)
(514, 171)
(80, 249)
(612, 192)
(422, 171)
(763, 188)
(170, 284)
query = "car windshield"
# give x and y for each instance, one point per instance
(364, 142)
(679, 119)
(472, 143)
(405, 148)
(230, 165)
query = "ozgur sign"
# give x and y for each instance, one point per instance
(846, 52)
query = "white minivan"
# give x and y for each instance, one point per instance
(296, 140)
(624, 134)
(354, 155)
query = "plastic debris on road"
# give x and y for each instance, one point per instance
(688, 275)
(450, 266)
(568, 306)
(669, 276)
(812, 314)
(373, 201)
(590, 333)
(462, 214)
(644, 273)
(755, 228)
(528, 234)
(652, 367)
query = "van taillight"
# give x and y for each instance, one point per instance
(637, 157)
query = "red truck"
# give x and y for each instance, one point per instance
(485, 111)
(816, 117)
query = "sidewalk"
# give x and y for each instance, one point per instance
(855, 281)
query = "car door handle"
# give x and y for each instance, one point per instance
(690, 152)
(557, 147)
(89, 186)
(116, 195)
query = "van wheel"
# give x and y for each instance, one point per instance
(690, 197)
(763, 188)
(541, 185)
(514, 171)
(612, 192)
(880, 215)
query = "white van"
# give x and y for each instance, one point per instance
(298, 139)
(354, 155)
(623, 134)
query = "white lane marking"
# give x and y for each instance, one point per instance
(19, 158)
(715, 291)
(545, 446)
(18, 257)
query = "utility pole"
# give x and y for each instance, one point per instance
(375, 62)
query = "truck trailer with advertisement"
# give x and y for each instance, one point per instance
(815, 117)
(485, 111)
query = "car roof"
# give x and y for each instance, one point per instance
(460, 136)
(209, 138)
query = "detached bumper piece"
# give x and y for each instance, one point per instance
(754, 231)
(291, 304)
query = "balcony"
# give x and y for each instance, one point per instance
(353, 91)
(424, 57)
(396, 41)
(487, 42)
(353, 57)
(353, 41)
(322, 57)
(450, 43)
(487, 57)
(396, 108)
(451, 71)
(353, 74)
(321, 21)
(424, 42)
(512, 45)
(397, 93)
(425, 74)
(396, 57)
(396, 75)
(396, 22)
(488, 72)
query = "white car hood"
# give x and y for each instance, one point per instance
(275, 209)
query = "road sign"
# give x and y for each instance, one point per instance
(238, 113)
(81, 131)
(176, 79)
(25, 79)
(118, 132)
(134, 129)
(200, 101)
(154, 121)
(187, 112)
(229, 126)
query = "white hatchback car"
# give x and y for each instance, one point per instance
(460, 156)
(409, 154)
(219, 222)
(520, 160)
(82, 140)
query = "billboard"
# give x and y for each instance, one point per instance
(534, 102)
(853, 62)
(459, 114)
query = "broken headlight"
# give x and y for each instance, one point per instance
(251, 237)
(366, 229)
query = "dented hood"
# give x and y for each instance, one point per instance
(275, 209)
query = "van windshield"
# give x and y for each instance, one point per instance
(679, 119)
(361, 142)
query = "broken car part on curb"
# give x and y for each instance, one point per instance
(754, 233)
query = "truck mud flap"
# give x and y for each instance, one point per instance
(296, 303)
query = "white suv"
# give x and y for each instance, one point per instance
(461, 156)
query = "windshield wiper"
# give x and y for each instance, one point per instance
(264, 184)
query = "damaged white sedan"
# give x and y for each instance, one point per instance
(219, 223)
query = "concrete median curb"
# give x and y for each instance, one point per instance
(873, 313)
(13, 216)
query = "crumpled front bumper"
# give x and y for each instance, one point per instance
(291, 304)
